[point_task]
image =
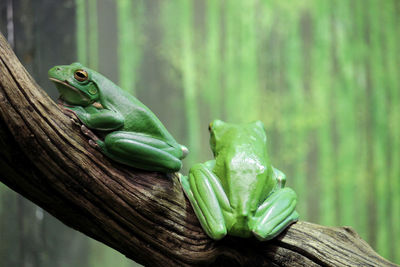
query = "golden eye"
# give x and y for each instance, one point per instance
(210, 126)
(81, 75)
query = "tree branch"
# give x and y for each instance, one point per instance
(144, 215)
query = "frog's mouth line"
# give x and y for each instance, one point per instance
(65, 83)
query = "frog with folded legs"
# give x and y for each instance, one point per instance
(239, 192)
(133, 135)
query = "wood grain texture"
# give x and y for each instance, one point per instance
(144, 215)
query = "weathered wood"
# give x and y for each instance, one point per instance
(24, 235)
(144, 215)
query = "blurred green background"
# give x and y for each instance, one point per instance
(323, 76)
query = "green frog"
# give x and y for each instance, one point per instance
(239, 192)
(133, 135)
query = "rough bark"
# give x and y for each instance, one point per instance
(144, 215)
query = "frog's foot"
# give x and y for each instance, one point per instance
(275, 214)
(92, 137)
(94, 144)
(185, 151)
(208, 200)
(70, 113)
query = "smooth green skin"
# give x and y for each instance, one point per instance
(239, 192)
(134, 135)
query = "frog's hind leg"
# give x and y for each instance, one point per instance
(208, 199)
(141, 151)
(275, 214)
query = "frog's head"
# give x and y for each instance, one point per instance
(214, 127)
(75, 84)
(224, 134)
(219, 135)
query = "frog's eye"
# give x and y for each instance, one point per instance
(209, 127)
(81, 75)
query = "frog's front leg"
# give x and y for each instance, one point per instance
(208, 199)
(142, 151)
(275, 214)
(98, 118)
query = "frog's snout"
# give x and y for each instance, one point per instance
(185, 151)
(53, 71)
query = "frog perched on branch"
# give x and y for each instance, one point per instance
(239, 192)
(133, 134)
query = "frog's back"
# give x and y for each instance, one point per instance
(246, 186)
(246, 180)
(246, 168)
(138, 117)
